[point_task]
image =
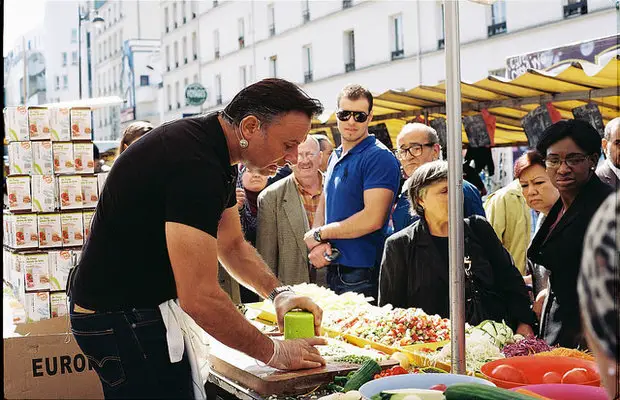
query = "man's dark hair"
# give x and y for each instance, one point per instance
(582, 133)
(269, 99)
(355, 92)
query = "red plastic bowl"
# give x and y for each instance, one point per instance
(534, 367)
(559, 391)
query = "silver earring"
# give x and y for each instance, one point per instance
(244, 144)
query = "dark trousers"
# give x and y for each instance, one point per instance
(129, 352)
(341, 279)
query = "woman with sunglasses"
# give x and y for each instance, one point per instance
(571, 149)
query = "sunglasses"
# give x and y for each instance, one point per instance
(358, 116)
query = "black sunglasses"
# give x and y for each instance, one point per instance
(358, 116)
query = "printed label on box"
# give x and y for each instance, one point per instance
(60, 124)
(18, 188)
(58, 304)
(39, 123)
(70, 190)
(50, 230)
(37, 306)
(44, 193)
(90, 193)
(63, 157)
(88, 219)
(16, 124)
(20, 158)
(72, 229)
(84, 158)
(26, 232)
(81, 128)
(60, 264)
(37, 272)
(42, 159)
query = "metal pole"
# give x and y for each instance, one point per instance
(79, 53)
(455, 180)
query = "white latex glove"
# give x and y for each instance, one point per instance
(287, 301)
(295, 354)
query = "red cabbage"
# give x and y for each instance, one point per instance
(525, 347)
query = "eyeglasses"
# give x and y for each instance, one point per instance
(571, 161)
(308, 154)
(414, 150)
(358, 116)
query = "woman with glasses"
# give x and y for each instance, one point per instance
(571, 149)
(414, 269)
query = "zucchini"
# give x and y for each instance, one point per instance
(476, 391)
(366, 372)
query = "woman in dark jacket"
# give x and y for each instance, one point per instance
(414, 269)
(571, 149)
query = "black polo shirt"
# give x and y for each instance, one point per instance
(178, 172)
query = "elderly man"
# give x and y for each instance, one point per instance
(360, 186)
(609, 171)
(285, 212)
(418, 144)
(326, 149)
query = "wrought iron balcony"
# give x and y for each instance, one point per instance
(496, 29)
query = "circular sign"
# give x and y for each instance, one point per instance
(195, 94)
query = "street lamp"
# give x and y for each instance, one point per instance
(97, 23)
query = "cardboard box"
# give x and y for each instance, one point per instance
(37, 270)
(39, 123)
(90, 191)
(101, 178)
(42, 159)
(47, 364)
(20, 158)
(25, 231)
(60, 124)
(8, 224)
(88, 220)
(16, 124)
(50, 231)
(84, 158)
(63, 157)
(44, 193)
(70, 192)
(72, 229)
(59, 306)
(61, 263)
(37, 306)
(81, 123)
(18, 189)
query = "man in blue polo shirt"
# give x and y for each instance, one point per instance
(361, 183)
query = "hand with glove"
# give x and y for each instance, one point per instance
(287, 301)
(296, 354)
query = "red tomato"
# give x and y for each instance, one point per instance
(508, 373)
(576, 375)
(398, 370)
(552, 377)
(441, 387)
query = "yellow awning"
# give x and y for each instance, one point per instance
(507, 100)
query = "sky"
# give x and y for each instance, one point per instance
(20, 16)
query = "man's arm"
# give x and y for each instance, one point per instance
(319, 216)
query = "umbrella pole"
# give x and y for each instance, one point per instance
(455, 181)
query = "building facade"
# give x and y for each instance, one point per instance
(29, 47)
(324, 45)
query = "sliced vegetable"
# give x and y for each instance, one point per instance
(401, 358)
(563, 351)
(441, 387)
(469, 391)
(525, 347)
(366, 372)
(403, 394)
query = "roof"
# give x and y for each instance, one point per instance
(507, 100)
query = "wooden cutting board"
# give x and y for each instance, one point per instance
(265, 380)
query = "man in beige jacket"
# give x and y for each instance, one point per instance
(285, 212)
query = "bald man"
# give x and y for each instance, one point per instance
(609, 171)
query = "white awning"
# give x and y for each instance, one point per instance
(94, 103)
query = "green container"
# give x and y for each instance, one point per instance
(298, 324)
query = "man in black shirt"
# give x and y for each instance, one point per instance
(165, 216)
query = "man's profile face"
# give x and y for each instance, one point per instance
(326, 150)
(612, 147)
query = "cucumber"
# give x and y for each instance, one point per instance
(476, 391)
(366, 372)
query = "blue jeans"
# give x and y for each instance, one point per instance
(129, 352)
(341, 279)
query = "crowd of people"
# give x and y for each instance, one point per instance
(249, 188)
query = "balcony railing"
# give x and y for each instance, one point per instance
(217, 54)
(441, 43)
(578, 8)
(272, 30)
(218, 100)
(496, 29)
(308, 77)
(347, 3)
(398, 54)
(348, 67)
(306, 15)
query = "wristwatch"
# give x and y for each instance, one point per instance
(317, 235)
(280, 289)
